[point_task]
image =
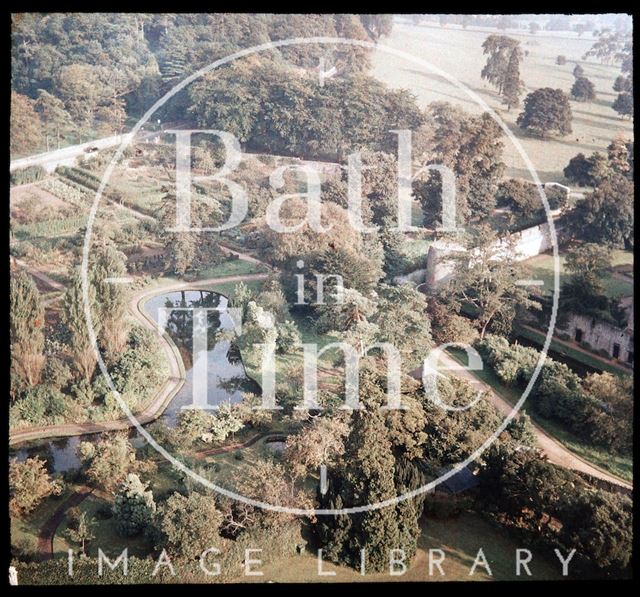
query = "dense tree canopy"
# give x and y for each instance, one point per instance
(606, 214)
(27, 329)
(583, 90)
(546, 111)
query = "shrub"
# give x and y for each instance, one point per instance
(65, 190)
(561, 60)
(27, 175)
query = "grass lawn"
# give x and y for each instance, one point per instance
(620, 257)
(459, 54)
(542, 269)
(459, 538)
(231, 267)
(25, 530)
(614, 463)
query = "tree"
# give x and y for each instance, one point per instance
(343, 316)
(595, 523)
(485, 278)
(583, 90)
(268, 481)
(589, 263)
(55, 119)
(447, 326)
(288, 337)
(112, 303)
(521, 197)
(187, 249)
(367, 477)
(606, 214)
(29, 484)
(192, 424)
(620, 155)
(188, 524)
(499, 51)
(561, 60)
(578, 71)
(108, 462)
(513, 87)
(616, 392)
(472, 147)
(377, 25)
(26, 128)
(545, 111)
(321, 443)
(81, 531)
(134, 506)
(587, 171)
(622, 83)
(26, 329)
(612, 47)
(226, 421)
(534, 27)
(410, 329)
(73, 317)
(598, 524)
(623, 104)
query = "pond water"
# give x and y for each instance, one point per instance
(226, 376)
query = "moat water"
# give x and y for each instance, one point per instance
(226, 376)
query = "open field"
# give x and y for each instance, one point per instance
(459, 54)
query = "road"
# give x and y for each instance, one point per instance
(555, 452)
(66, 156)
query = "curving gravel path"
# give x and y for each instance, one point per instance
(553, 449)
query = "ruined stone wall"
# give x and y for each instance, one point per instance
(600, 335)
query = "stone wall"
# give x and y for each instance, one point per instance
(600, 335)
(529, 243)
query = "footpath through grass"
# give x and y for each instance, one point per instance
(622, 466)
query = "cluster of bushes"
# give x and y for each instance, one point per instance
(89, 180)
(55, 227)
(276, 544)
(27, 175)
(561, 395)
(62, 398)
(553, 507)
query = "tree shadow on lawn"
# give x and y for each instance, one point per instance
(518, 133)
(593, 123)
(603, 116)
